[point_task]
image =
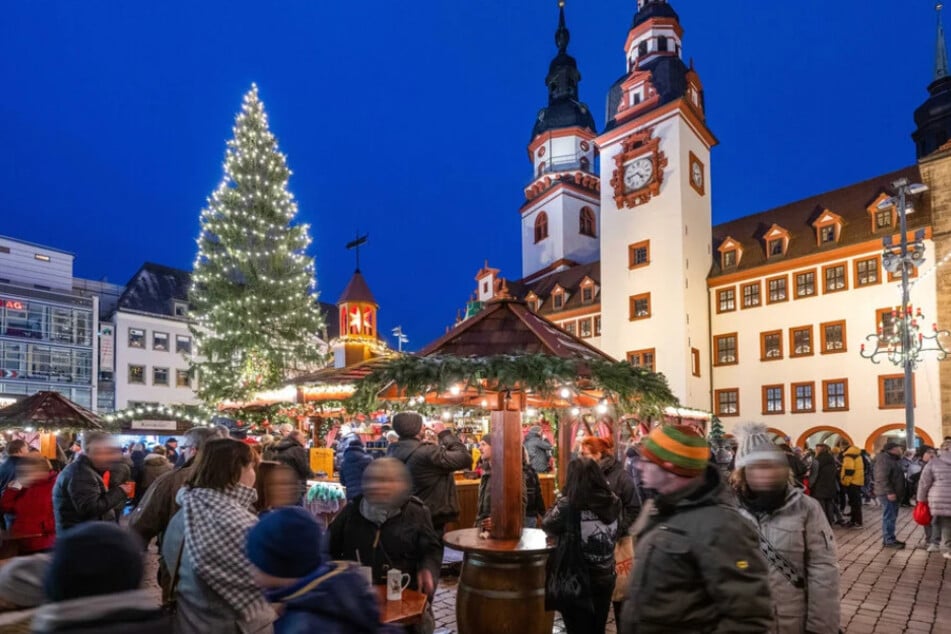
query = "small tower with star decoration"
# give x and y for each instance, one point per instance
(359, 337)
(560, 220)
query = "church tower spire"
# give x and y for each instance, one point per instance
(933, 117)
(560, 216)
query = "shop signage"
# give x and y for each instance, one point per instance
(106, 347)
(13, 304)
(154, 425)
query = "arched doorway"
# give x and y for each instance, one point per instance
(895, 432)
(822, 434)
(778, 436)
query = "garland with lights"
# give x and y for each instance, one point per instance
(253, 296)
(632, 390)
(192, 415)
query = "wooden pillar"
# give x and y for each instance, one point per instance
(506, 482)
(564, 441)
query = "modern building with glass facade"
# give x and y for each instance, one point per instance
(47, 329)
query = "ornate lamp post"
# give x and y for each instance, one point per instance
(903, 342)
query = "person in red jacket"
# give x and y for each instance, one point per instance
(30, 500)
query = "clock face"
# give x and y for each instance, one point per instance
(638, 173)
(696, 173)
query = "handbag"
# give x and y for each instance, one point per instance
(623, 564)
(567, 582)
(170, 605)
(922, 514)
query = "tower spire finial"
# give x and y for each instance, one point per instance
(562, 35)
(941, 50)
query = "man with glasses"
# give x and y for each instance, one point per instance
(156, 509)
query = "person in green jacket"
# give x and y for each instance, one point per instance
(697, 562)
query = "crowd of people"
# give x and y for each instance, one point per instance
(668, 538)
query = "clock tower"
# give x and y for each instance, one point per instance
(560, 216)
(656, 210)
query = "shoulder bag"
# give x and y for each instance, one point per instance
(567, 580)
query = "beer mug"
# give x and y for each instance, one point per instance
(396, 582)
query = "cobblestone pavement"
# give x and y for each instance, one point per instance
(884, 591)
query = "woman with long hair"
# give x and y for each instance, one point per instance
(794, 534)
(590, 509)
(204, 545)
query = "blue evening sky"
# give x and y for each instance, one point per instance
(409, 120)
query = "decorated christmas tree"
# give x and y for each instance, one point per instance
(716, 431)
(253, 296)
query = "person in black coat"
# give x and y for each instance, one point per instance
(431, 466)
(355, 462)
(387, 528)
(291, 452)
(80, 494)
(823, 478)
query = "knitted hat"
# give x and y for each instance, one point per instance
(21, 580)
(407, 424)
(91, 559)
(678, 449)
(755, 445)
(535, 429)
(286, 543)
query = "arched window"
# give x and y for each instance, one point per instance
(587, 222)
(662, 43)
(541, 227)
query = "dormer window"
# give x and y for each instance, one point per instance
(730, 253)
(181, 309)
(558, 299)
(587, 291)
(533, 302)
(541, 227)
(777, 241)
(729, 259)
(828, 228)
(883, 219)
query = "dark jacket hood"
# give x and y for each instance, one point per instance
(336, 595)
(403, 448)
(287, 443)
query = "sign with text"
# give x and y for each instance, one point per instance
(107, 347)
(13, 304)
(154, 425)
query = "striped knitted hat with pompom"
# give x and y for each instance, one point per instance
(678, 449)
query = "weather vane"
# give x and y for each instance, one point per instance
(356, 243)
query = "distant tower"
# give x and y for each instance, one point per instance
(655, 209)
(933, 118)
(359, 337)
(560, 217)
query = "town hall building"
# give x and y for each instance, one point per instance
(759, 318)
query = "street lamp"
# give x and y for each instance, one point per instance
(904, 342)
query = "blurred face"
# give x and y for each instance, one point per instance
(28, 474)
(766, 476)
(172, 443)
(248, 475)
(24, 451)
(282, 488)
(654, 477)
(103, 455)
(485, 449)
(587, 452)
(380, 486)
(928, 455)
(188, 451)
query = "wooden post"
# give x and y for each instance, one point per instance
(506, 482)
(564, 441)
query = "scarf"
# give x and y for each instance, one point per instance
(378, 513)
(764, 502)
(216, 528)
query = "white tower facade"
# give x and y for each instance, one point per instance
(656, 210)
(560, 217)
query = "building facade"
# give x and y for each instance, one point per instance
(47, 329)
(760, 318)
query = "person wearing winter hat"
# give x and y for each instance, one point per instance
(697, 564)
(21, 582)
(355, 461)
(313, 594)
(539, 449)
(93, 583)
(431, 466)
(795, 537)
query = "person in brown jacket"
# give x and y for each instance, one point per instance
(151, 517)
(154, 466)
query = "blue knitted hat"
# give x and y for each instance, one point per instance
(286, 543)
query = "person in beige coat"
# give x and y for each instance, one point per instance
(794, 534)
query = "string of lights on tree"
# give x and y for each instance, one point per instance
(253, 294)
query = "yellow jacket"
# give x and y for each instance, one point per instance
(853, 467)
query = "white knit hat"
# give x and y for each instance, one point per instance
(755, 445)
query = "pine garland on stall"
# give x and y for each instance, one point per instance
(253, 296)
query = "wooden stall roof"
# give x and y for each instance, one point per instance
(507, 326)
(350, 374)
(49, 410)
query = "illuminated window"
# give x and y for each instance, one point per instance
(136, 338)
(725, 349)
(160, 341)
(137, 374)
(727, 402)
(771, 345)
(726, 300)
(183, 378)
(773, 401)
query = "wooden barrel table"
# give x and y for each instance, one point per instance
(502, 586)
